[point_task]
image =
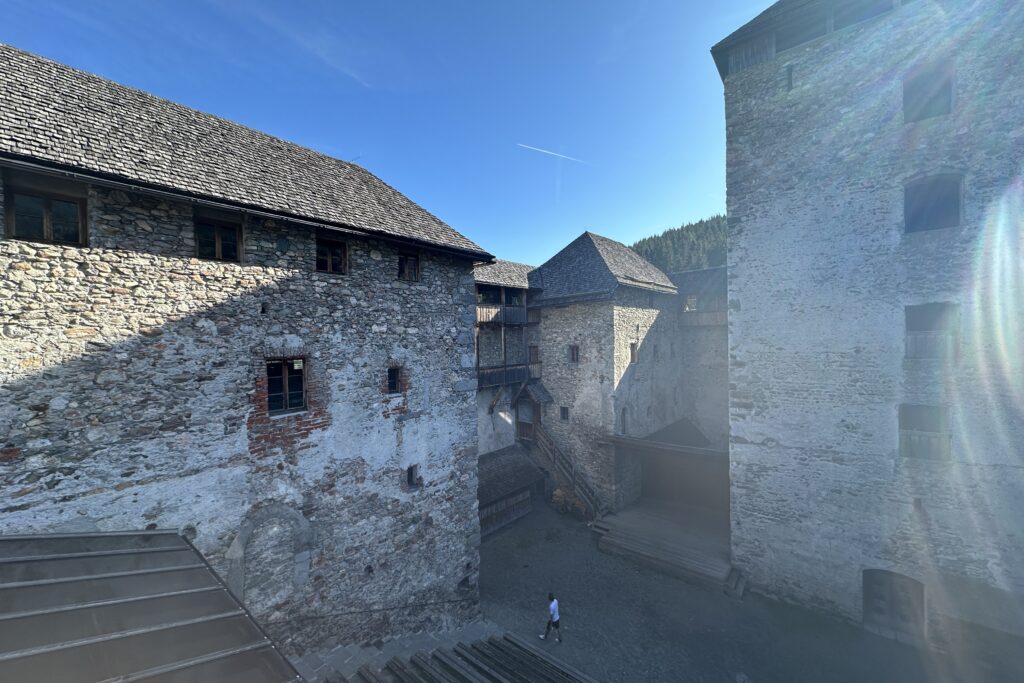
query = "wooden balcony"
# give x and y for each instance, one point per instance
(506, 374)
(496, 314)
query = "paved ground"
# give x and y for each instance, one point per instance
(623, 622)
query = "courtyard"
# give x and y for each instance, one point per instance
(624, 622)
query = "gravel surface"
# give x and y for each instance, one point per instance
(624, 622)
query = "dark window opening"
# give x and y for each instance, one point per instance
(286, 385)
(217, 240)
(563, 412)
(408, 267)
(932, 203)
(488, 295)
(45, 218)
(394, 380)
(928, 93)
(932, 330)
(574, 353)
(924, 432)
(412, 476)
(331, 256)
(853, 12)
(534, 352)
(800, 30)
(515, 297)
(623, 424)
(634, 354)
(789, 77)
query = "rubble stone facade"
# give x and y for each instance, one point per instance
(133, 395)
(822, 270)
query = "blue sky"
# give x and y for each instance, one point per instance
(441, 98)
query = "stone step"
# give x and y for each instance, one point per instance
(706, 570)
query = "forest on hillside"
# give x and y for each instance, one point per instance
(688, 247)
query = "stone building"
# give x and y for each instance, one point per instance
(874, 201)
(208, 329)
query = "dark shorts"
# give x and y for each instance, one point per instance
(554, 624)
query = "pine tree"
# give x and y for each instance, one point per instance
(691, 246)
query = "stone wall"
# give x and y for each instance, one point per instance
(702, 395)
(584, 387)
(132, 395)
(820, 270)
(496, 427)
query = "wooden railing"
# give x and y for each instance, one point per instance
(505, 374)
(566, 470)
(496, 313)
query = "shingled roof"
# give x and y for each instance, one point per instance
(503, 273)
(592, 267)
(60, 116)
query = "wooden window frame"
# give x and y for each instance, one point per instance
(940, 441)
(403, 273)
(329, 244)
(217, 224)
(687, 308)
(932, 342)
(533, 353)
(285, 366)
(47, 197)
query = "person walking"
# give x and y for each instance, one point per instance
(552, 619)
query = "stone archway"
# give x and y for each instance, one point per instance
(268, 562)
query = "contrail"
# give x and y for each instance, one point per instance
(554, 154)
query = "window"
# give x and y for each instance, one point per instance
(893, 604)
(932, 203)
(691, 303)
(574, 353)
(45, 218)
(932, 330)
(408, 267)
(928, 93)
(412, 477)
(218, 240)
(563, 412)
(623, 424)
(634, 354)
(395, 380)
(515, 297)
(850, 12)
(924, 432)
(286, 386)
(331, 256)
(534, 354)
(488, 295)
(800, 30)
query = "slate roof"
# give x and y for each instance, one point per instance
(82, 608)
(503, 273)
(591, 268)
(62, 116)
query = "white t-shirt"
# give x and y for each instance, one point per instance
(553, 608)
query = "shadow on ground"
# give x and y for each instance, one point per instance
(623, 622)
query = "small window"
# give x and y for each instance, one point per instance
(574, 353)
(563, 412)
(488, 295)
(928, 93)
(924, 432)
(655, 352)
(412, 477)
(893, 604)
(800, 29)
(932, 203)
(45, 218)
(691, 303)
(218, 240)
(331, 256)
(286, 386)
(408, 267)
(394, 380)
(515, 297)
(534, 354)
(623, 425)
(932, 330)
(634, 354)
(850, 12)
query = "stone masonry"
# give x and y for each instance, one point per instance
(820, 272)
(133, 395)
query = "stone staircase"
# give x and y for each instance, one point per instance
(498, 659)
(677, 555)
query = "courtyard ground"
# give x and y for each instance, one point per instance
(624, 622)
